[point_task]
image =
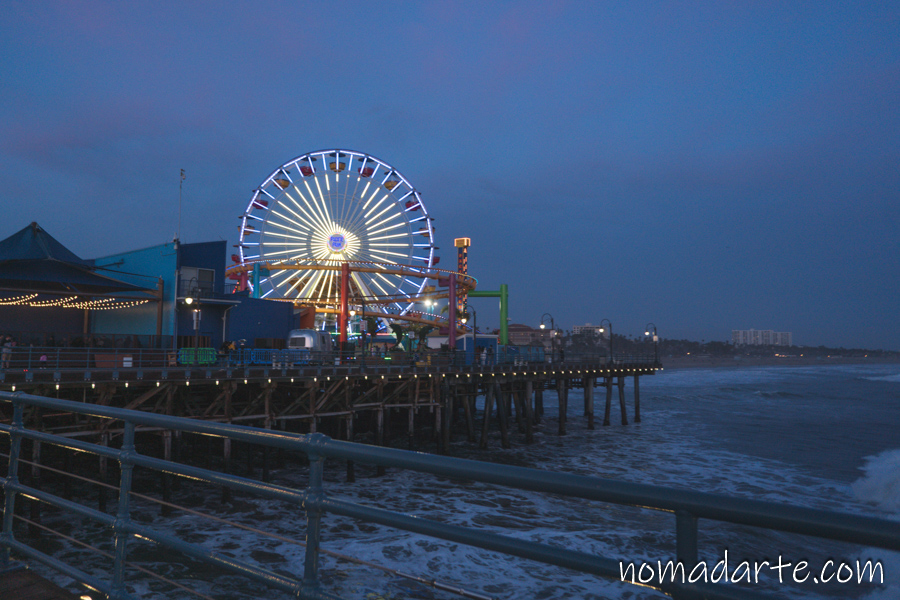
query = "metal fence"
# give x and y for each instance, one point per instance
(688, 506)
(33, 358)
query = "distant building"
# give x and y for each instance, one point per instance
(761, 337)
(588, 328)
(523, 335)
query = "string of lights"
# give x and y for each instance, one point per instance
(53, 303)
(17, 300)
(71, 302)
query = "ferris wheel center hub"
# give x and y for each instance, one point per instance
(337, 242)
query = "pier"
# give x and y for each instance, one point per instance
(341, 395)
(25, 584)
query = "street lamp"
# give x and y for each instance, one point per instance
(602, 330)
(192, 299)
(197, 328)
(552, 335)
(650, 327)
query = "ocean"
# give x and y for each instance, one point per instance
(819, 436)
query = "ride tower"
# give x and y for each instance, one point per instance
(462, 267)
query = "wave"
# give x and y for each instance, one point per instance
(895, 378)
(881, 483)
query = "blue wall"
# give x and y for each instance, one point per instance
(257, 318)
(205, 255)
(143, 268)
(250, 319)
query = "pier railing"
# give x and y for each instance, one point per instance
(56, 360)
(687, 506)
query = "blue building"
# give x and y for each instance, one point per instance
(166, 296)
(199, 309)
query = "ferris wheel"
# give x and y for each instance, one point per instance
(329, 207)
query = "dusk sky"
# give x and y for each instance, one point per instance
(704, 166)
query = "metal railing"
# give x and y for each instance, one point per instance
(35, 358)
(688, 506)
(108, 341)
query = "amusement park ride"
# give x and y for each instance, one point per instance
(336, 229)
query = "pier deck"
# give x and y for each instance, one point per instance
(25, 584)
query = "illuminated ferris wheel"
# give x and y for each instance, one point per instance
(335, 206)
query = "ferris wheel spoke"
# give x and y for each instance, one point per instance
(311, 291)
(385, 225)
(387, 237)
(368, 215)
(381, 289)
(311, 203)
(358, 205)
(374, 258)
(299, 233)
(362, 284)
(395, 215)
(390, 280)
(348, 195)
(280, 252)
(305, 224)
(313, 216)
(284, 237)
(387, 253)
(332, 290)
(303, 293)
(323, 206)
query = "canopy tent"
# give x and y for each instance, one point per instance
(33, 261)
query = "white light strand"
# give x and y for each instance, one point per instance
(71, 302)
(17, 300)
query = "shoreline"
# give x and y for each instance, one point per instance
(711, 362)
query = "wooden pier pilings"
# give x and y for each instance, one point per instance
(344, 401)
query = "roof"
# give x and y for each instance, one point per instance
(32, 260)
(33, 243)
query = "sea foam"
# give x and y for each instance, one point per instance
(895, 378)
(881, 483)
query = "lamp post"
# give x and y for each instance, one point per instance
(602, 330)
(552, 335)
(197, 328)
(650, 327)
(192, 299)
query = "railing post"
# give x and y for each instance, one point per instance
(103, 461)
(126, 462)
(313, 519)
(12, 477)
(34, 511)
(686, 539)
(165, 509)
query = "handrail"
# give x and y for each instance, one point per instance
(688, 506)
(57, 359)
